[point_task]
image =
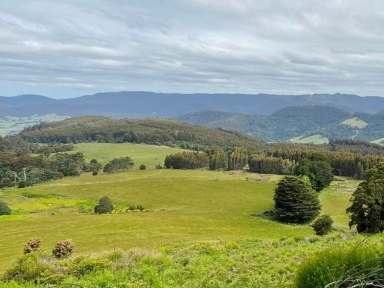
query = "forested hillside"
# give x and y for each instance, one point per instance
(305, 124)
(150, 131)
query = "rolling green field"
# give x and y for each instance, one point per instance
(182, 208)
(149, 155)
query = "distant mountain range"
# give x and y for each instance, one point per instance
(304, 124)
(148, 104)
(276, 118)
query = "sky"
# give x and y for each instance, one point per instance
(70, 48)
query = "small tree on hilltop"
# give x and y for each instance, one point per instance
(295, 200)
(367, 209)
(319, 172)
(4, 209)
(104, 206)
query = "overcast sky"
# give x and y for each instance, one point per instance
(74, 47)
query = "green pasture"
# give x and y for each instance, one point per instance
(180, 207)
(149, 155)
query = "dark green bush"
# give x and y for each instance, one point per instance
(322, 225)
(142, 167)
(63, 249)
(295, 201)
(4, 209)
(337, 268)
(32, 245)
(104, 206)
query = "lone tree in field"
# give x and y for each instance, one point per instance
(367, 209)
(104, 206)
(4, 209)
(295, 201)
(319, 172)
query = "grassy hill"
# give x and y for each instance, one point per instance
(355, 122)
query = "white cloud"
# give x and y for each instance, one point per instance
(69, 47)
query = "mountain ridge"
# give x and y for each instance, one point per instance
(153, 104)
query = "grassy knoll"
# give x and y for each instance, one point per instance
(355, 122)
(313, 139)
(149, 155)
(182, 206)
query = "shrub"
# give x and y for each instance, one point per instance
(104, 206)
(322, 225)
(82, 266)
(142, 167)
(341, 268)
(367, 209)
(295, 201)
(4, 209)
(30, 267)
(32, 245)
(319, 172)
(158, 166)
(63, 249)
(118, 164)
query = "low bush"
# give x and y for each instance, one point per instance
(31, 267)
(82, 266)
(338, 267)
(63, 249)
(322, 225)
(104, 206)
(32, 245)
(4, 209)
(142, 167)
